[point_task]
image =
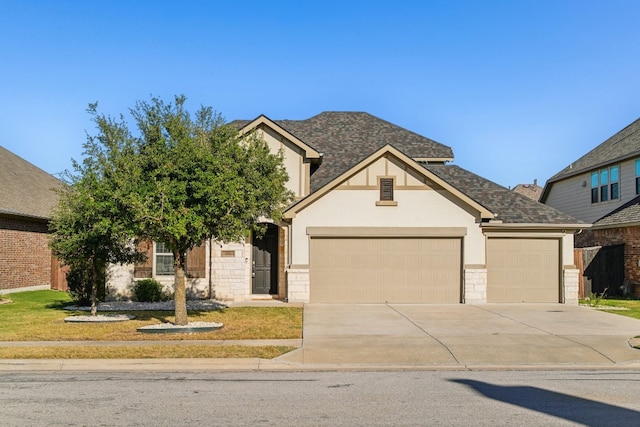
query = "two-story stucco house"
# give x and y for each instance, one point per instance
(381, 216)
(603, 188)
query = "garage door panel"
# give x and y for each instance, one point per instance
(377, 270)
(523, 270)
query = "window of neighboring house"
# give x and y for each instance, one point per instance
(614, 182)
(637, 176)
(386, 193)
(605, 184)
(594, 187)
(164, 260)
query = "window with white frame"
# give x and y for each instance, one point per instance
(164, 260)
(605, 184)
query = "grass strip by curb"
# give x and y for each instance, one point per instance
(144, 352)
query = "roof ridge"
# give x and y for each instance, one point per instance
(624, 133)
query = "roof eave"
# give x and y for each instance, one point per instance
(433, 159)
(594, 166)
(18, 215)
(533, 226)
(310, 152)
(615, 225)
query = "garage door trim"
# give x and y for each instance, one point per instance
(449, 232)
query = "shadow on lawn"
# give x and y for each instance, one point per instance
(142, 315)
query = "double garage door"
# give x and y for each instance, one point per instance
(428, 270)
(387, 269)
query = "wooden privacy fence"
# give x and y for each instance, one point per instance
(601, 269)
(58, 275)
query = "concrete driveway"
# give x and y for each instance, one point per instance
(463, 336)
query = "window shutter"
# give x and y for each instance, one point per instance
(196, 263)
(145, 269)
(386, 189)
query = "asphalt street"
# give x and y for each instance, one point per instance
(451, 398)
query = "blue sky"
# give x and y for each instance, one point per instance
(518, 88)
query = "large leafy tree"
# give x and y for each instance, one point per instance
(88, 230)
(182, 179)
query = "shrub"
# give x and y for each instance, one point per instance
(79, 282)
(149, 290)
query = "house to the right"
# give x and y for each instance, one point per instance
(603, 188)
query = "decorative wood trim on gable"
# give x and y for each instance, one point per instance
(430, 177)
(309, 152)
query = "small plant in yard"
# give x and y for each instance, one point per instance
(594, 299)
(149, 290)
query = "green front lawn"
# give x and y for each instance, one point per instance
(632, 306)
(39, 316)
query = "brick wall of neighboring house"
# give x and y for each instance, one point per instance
(630, 237)
(25, 258)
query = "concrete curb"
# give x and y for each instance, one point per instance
(265, 365)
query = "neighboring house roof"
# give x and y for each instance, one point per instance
(532, 191)
(347, 138)
(622, 145)
(625, 215)
(25, 190)
(509, 207)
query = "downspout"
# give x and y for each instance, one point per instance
(210, 268)
(289, 254)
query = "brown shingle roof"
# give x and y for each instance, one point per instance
(25, 190)
(626, 214)
(623, 144)
(510, 207)
(532, 191)
(346, 138)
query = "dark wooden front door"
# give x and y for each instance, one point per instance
(265, 262)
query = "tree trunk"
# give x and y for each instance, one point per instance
(180, 291)
(94, 289)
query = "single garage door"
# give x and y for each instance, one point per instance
(378, 270)
(523, 270)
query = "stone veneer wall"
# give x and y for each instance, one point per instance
(119, 281)
(475, 285)
(298, 284)
(571, 285)
(232, 274)
(25, 257)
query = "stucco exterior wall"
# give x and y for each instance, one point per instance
(293, 161)
(357, 208)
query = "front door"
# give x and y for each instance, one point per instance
(265, 262)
